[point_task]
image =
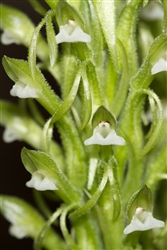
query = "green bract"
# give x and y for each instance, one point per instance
(102, 114)
(142, 198)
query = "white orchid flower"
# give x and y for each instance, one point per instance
(41, 182)
(159, 66)
(21, 90)
(9, 135)
(103, 134)
(143, 220)
(18, 231)
(7, 39)
(71, 33)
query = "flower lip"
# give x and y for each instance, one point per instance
(104, 134)
(41, 182)
(159, 66)
(142, 220)
(22, 90)
(71, 32)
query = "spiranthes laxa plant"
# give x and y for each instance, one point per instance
(109, 59)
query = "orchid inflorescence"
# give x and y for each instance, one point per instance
(110, 119)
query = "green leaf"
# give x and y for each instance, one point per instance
(63, 225)
(93, 200)
(41, 236)
(156, 125)
(95, 86)
(52, 4)
(143, 78)
(64, 107)
(115, 189)
(36, 160)
(106, 13)
(157, 169)
(47, 136)
(94, 30)
(51, 41)
(87, 103)
(121, 90)
(127, 26)
(37, 7)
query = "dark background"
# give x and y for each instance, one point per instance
(12, 172)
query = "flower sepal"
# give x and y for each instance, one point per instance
(102, 114)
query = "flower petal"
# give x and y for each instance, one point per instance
(17, 231)
(115, 139)
(78, 35)
(41, 183)
(135, 225)
(149, 223)
(9, 135)
(110, 139)
(7, 39)
(159, 66)
(22, 91)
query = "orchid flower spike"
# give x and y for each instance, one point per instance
(21, 90)
(143, 220)
(104, 134)
(71, 33)
(159, 66)
(41, 182)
